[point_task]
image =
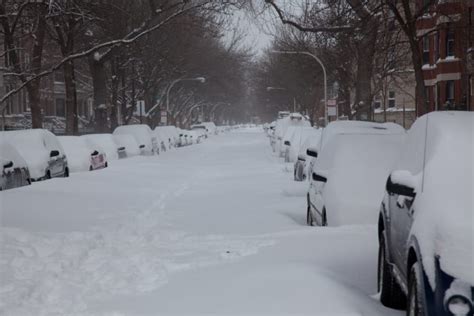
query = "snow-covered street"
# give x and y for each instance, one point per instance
(216, 228)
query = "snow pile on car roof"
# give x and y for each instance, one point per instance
(9, 153)
(129, 142)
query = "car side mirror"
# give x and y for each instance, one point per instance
(54, 153)
(141, 146)
(94, 153)
(121, 149)
(312, 152)
(8, 165)
(287, 143)
(319, 178)
(401, 183)
(302, 157)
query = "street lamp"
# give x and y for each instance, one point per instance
(324, 72)
(198, 79)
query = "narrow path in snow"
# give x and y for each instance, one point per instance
(216, 228)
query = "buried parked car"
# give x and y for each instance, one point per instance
(426, 244)
(81, 155)
(128, 143)
(147, 141)
(304, 162)
(42, 152)
(106, 143)
(346, 183)
(14, 170)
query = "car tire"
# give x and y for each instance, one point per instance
(66, 173)
(309, 216)
(48, 175)
(106, 165)
(391, 294)
(324, 218)
(415, 302)
(90, 168)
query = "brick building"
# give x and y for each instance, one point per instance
(447, 46)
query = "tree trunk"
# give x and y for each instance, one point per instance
(366, 53)
(99, 82)
(421, 97)
(72, 127)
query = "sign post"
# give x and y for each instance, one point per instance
(332, 108)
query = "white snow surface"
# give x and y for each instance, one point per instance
(210, 229)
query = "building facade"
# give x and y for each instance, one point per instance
(446, 29)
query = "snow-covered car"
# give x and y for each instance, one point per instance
(147, 141)
(295, 141)
(163, 138)
(294, 119)
(42, 152)
(106, 144)
(14, 170)
(304, 162)
(426, 241)
(169, 134)
(81, 155)
(202, 128)
(211, 127)
(129, 143)
(346, 183)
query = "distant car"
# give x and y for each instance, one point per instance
(281, 125)
(106, 144)
(129, 143)
(147, 141)
(14, 170)
(169, 134)
(304, 162)
(426, 241)
(42, 152)
(81, 155)
(295, 141)
(201, 127)
(346, 184)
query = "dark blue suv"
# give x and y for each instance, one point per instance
(426, 233)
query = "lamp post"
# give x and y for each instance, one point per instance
(324, 73)
(199, 79)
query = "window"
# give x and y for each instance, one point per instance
(377, 104)
(391, 99)
(426, 50)
(58, 76)
(436, 46)
(450, 43)
(450, 90)
(60, 107)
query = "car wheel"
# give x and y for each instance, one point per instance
(90, 168)
(391, 294)
(309, 216)
(66, 173)
(324, 219)
(48, 175)
(415, 302)
(106, 165)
